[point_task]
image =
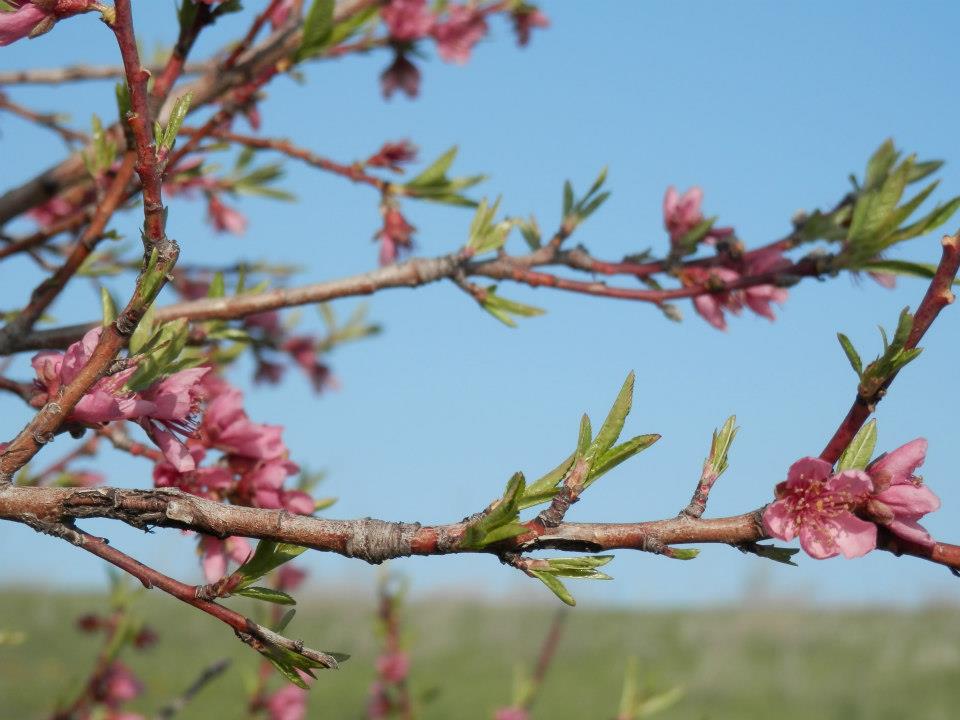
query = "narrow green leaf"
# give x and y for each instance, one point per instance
(585, 436)
(544, 488)
(436, 171)
(180, 109)
(556, 587)
(618, 454)
(860, 450)
(613, 425)
(268, 556)
(852, 355)
(108, 308)
(683, 553)
(317, 27)
(284, 621)
(879, 165)
(267, 594)
(217, 287)
(567, 198)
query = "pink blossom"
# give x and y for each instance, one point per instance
(400, 75)
(262, 485)
(759, 297)
(226, 426)
(287, 703)
(681, 213)
(711, 305)
(303, 350)
(899, 498)
(378, 705)
(393, 667)
(407, 20)
(176, 403)
(32, 18)
(268, 372)
(212, 482)
(395, 236)
(54, 209)
(215, 553)
(887, 280)
(525, 18)
(290, 577)
(392, 155)
(223, 217)
(117, 685)
(511, 713)
(268, 321)
(106, 399)
(463, 28)
(26, 20)
(280, 13)
(818, 506)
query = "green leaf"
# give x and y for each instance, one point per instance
(436, 172)
(688, 241)
(770, 552)
(556, 587)
(683, 553)
(217, 287)
(284, 621)
(585, 436)
(567, 198)
(851, 352)
(904, 267)
(618, 454)
(720, 446)
(267, 594)
(860, 450)
(317, 28)
(879, 165)
(505, 513)
(180, 109)
(108, 308)
(545, 487)
(268, 556)
(613, 425)
(502, 308)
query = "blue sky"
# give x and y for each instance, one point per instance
(767, 106)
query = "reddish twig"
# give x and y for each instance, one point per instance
(50, 121)
(937, 297)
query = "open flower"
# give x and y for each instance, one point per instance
(817, 505)
(463, 28)
(899, 498)
(711, 305)
(407, 20)
(759, 297)
(106, 400)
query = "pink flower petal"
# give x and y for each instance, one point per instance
(854, 537)
(778, 521)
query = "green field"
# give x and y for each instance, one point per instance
(788, 663)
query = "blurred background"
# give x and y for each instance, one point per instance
(768, 107)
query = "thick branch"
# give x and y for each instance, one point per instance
(375, 540)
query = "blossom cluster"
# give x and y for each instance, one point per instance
(456, 30)
(682, 214)
(187, 414)
(838, 513)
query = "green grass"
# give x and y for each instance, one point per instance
(788, 663)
